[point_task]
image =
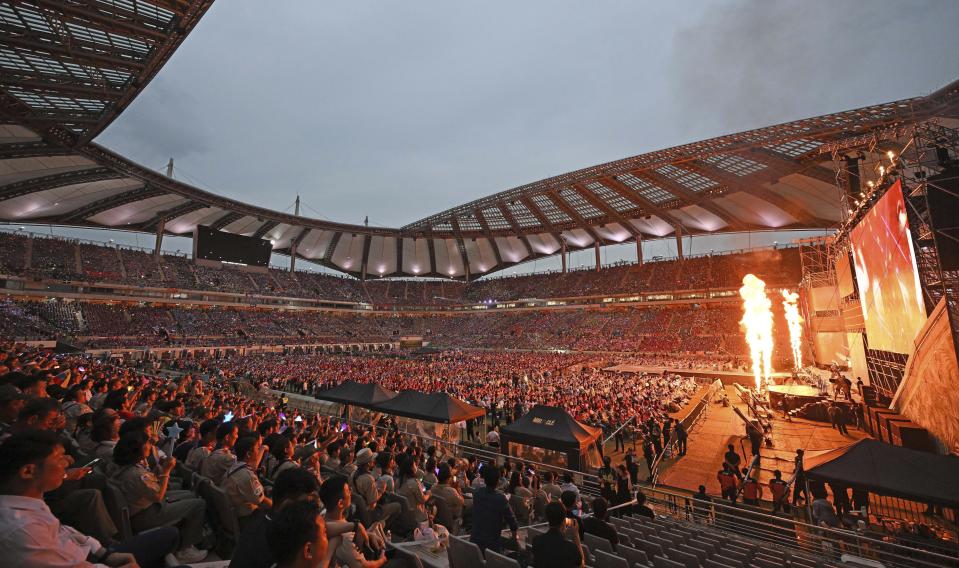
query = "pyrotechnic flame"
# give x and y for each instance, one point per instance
(757, 323)
(794, 321)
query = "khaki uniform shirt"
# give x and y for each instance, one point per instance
(196, 457)
(217, 465)
(139, 486)
(243, 488)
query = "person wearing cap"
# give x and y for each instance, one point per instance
(11, 403)
(372, 492)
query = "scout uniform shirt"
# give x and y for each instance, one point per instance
(139, 486)
(217, 465)
(243, 488)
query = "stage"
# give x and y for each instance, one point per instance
(726, 377)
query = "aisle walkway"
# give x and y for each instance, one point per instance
(721, 426)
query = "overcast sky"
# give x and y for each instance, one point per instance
(398, 110)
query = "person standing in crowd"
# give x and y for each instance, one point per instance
(728, 482)
(755, 434)
(799, 478)
(840, 498)
(732, 459)
(649, 457)
(779, 490)
(490, 511)
(752, 490)
(631, 466)
(607, 480)
(560, 546)
(681, 436)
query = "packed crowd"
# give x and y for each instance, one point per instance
(82, 441)
(710, 331)
(65, 259)
(506, 384)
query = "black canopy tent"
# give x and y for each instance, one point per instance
(436, 415)
(554, 430)
(889, 470)
(430, 407)
(352, 393)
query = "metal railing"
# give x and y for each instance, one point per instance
(798, 536)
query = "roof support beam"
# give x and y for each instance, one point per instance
(225, 220)
(365, 256)
(77, 53)
(171, 214)
(605, 208)
(431, 247)
(30, 150)
(508, 215)
(574, 215)
(775, 160)
(754, 185)
(107, 203)
(53, 181)
(690, 197)
(542, 218)
(264, 229)
(295, 243)
(105, 18)
(327, 257)
(47, 85)
(399, 255)
(647, 206)
(489, 235)
(461, 246)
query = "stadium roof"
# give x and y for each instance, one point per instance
(67, 69)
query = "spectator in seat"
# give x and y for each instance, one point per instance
(145, 494)
(372, 490)
(345, 548)
(642, 509)
(408, 485)
(221, 459)
(11, 403)
(205, 445)
(293, 486)
(553, 491)
(447, 488)
(297, 537)
(598, 523)
(560, 546)
(31, 464)
(242, 485)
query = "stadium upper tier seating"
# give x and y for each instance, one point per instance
(37, 257)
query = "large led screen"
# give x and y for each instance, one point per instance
(886, 273)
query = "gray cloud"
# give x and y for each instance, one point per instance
(400, 110)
